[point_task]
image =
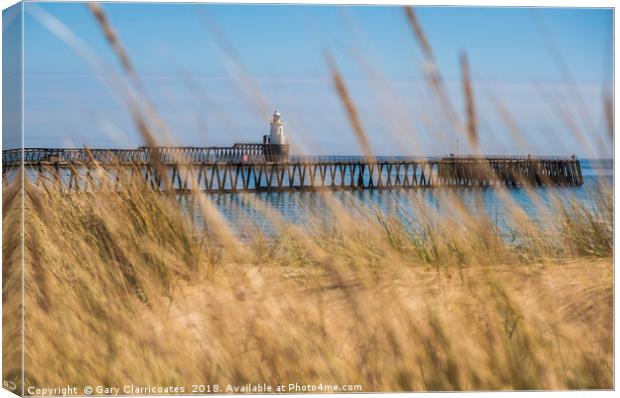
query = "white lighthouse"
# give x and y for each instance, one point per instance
(276, 133)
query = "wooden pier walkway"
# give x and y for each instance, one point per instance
(220, 170)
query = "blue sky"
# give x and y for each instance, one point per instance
(215, 73)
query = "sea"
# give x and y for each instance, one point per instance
(241, 210)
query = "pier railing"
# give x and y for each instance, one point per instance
(143, 155)
(367, 159)
(237, 153)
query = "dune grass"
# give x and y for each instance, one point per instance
(122, 288)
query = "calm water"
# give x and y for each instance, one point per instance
(301, 207)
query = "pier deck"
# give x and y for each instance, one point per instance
(206, 169)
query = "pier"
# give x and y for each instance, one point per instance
(224, 170)
(268, 166)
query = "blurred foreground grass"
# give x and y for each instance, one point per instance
(122, 288)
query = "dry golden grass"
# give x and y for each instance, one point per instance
(351, 110)
(122, 288)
